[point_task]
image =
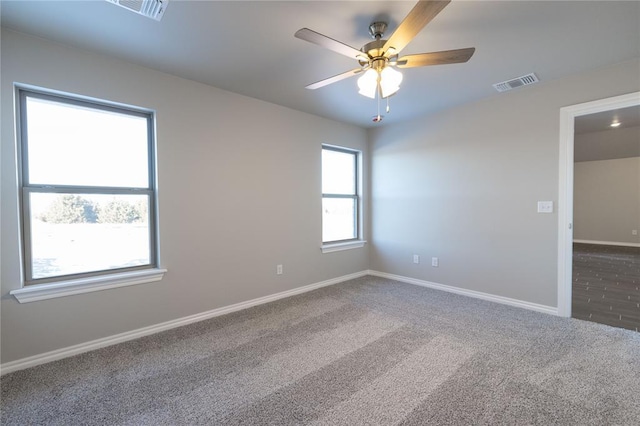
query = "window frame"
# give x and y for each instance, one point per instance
(335, 245)
(25, 189)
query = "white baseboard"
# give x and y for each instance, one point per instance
(607, 243)
(470, 293)
(57, 354)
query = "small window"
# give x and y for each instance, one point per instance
(87, 187)
(340, 198)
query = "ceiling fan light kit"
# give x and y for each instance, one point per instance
(390, 80)
(368, 83)
(378, 59)
(382, 80)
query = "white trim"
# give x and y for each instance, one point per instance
(328, 248)
(37, 292)
(57, 354)
(470, 293)
(565, 188)
(607, 243)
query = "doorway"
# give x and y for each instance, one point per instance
(568, 116)
(606, 218)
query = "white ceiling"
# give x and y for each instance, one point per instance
(249, 47)
(601, 121)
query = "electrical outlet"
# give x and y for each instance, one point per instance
(434, 262)
(279, 269)
(634, 232)
(545, 206)
(416, 258)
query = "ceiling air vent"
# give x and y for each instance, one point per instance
(516, 82)
(153, 9)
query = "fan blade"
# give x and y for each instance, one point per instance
(328, 43)
(436, 58)
(421, 14)
(334, 79)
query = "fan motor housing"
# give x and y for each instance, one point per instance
(374, 48)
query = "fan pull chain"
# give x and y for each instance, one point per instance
(377, 118)
(388, 109)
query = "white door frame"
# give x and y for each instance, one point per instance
(565, 190)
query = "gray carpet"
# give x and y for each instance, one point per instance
(369, 351)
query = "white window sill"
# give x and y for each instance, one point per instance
(328, 248)
(86, 285)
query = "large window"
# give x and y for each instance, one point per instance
(340, 198)
(87, 187)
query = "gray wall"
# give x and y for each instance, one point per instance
(463, 185)
(606, 200)
(239, 192)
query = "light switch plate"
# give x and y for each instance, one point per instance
(545, 206)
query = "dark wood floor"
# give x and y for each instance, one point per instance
(606, 285)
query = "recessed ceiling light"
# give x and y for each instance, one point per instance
(615, 124)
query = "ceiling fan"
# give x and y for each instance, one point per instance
(379, 58)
